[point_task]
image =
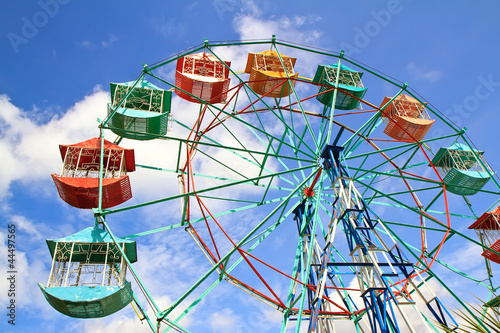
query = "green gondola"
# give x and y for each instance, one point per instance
(351, 89)
(144, 113)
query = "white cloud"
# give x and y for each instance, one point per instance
(193, 5)
(27, 143)
(297, 21)
(30, 150)
(23, 224)
(110, 41)
(28, 296)
(103, 43)
(85, 44)
(419, 73)
(251, 25)
(118, 323)
(168, 263)
(224, 321)
(467, 258)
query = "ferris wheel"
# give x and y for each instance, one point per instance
(297, 167)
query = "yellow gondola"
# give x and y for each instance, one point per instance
(271, 74)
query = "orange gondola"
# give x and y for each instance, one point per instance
(407, 118)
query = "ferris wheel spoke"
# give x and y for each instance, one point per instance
(258, 239)
(279, 158)
(398, 203)
(258, 131)
(397, 174)
(279, 116)
(265, 232)
(182, 195)
(218, 214)
(294, 93)
(223, 259)
(384, 162)
(288, 131)
(292, 138)
(353, 142)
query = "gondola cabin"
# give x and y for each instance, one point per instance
(487, 228)
(271, 74)
(87, 276)
(493, 303)
(201, 77)
(407, 119)
(350, 87)
(139, 110)
(78, 182)
(462, 169)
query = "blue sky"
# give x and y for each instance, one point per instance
(58, 58)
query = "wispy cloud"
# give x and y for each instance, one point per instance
(251, 25)
(466, 257)
(110, 41)
(420, 73)
(26, 225)
(224, 321)
(102, 44)
(193, 6)
(85, 44)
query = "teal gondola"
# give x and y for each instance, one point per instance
(87, 278)
(462, 169)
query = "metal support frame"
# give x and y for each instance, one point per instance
(378, 267)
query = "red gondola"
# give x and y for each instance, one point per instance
(78, 183)
(487, 227)
(201, 77)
